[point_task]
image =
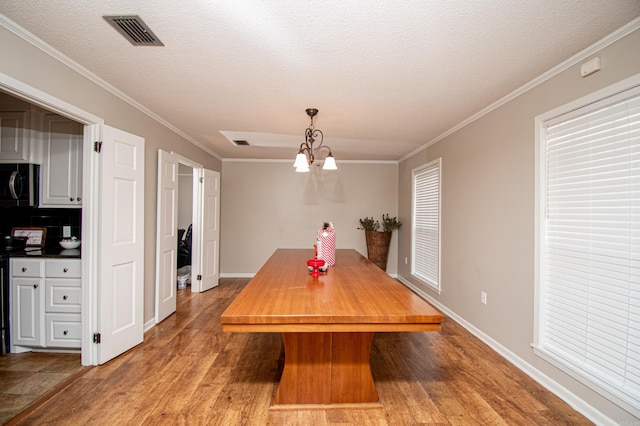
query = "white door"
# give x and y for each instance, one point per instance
(210, 229)
(121, 240)
(166, 235)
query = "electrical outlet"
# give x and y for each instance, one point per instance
(405, 261)
(66, 232)
(483, 297)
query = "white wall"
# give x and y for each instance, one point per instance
(488, 214)
(267, 205)
(185, 196)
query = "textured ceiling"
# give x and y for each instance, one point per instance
(387, 76)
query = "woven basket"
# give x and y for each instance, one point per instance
(378, 247)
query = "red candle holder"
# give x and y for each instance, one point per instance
(315, 264)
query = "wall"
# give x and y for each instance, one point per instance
(488, 213)
(185, 196)
(30, 65)
(267, 205)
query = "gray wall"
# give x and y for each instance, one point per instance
(488, 212)
(266, 205)
(30, 65)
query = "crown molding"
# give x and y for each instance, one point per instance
(577, 58)
(59, 56)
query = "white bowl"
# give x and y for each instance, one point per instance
(70, 244)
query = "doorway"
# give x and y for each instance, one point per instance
(101, 170)
(188, 208)
(185, 226)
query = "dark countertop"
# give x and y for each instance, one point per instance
(49, 252)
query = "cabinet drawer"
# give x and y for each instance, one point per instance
(63, 295)
(63, 330)
(27, 267)
(63, 268)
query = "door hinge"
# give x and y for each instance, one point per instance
(97, 146)
(199, 278)
(96, 338)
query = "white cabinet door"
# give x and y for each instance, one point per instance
(14, 140)
(27, 313)
(63, 331)
(61, 184)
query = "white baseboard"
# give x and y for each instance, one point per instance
(556, 388)
(149, 325)
(236, 275)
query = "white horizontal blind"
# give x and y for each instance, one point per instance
(426, 224)
(590, 270)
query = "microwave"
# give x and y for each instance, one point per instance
(19, 184)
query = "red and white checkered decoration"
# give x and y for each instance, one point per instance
(328, 246)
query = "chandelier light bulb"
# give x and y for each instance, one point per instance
(329, 163)
(301, 161)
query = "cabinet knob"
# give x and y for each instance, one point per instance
(79, 199)
(65, 297)
(65, 332)
(71, 199)
(24, 269)
(36, 285)
(65, 270)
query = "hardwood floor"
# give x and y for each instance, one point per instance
(188, 371)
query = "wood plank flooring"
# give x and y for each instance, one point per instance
(188, 372)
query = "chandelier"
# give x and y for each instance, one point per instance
(307, 153)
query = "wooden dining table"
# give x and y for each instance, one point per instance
(327, 324)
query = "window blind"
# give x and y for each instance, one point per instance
(426, 224)
(590, 270)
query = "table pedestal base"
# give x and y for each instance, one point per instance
(326, 369)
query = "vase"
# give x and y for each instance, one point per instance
(378, 247)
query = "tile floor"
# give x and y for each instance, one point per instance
(27, 376)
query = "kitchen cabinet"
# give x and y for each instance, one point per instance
(17, 137)
(62, 303)
(46, 304)
(27, 303)
(20, 128)
(61, 171)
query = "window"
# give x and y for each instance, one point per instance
(588, 257)
(425, 246)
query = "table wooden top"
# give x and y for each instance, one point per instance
(354, 295)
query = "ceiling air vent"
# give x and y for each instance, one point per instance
(133, 29)
(241, 143)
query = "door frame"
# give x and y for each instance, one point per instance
(90, 193)
(196, 226)
(196, 217)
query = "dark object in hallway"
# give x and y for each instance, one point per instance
(184, 247)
